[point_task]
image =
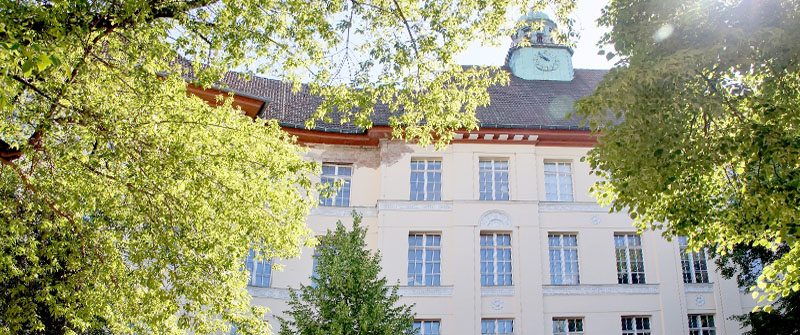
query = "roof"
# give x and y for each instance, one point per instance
(522, 104)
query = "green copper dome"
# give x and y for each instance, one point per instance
(535, 16)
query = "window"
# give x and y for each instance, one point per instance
(497, 327)
(630, 262)
(563, 259)
(495, 259)
(426, 327)
(330, 174)
(314, 273)
(493, 179)
(635, 325)
(558, 181)
(424, 259)
(693, 263)
(426, 180)
(701, 325)
(260, 270)
(567, 326)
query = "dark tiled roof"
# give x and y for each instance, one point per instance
(536, 104)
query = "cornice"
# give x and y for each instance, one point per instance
(425, 291)
(269, 292)
(607, 289)
(698, 287)
(560, 206)
(497, 291)
(343, 211)
(405, 205)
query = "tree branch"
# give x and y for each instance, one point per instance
(408, 27)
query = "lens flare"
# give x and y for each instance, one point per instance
(664, 32)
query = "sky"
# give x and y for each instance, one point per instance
(585, 56)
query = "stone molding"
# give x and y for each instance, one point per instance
(269, 292)
(558, 206)
(425, 291)
(600, 289)
(495, 219)
(343, 211)
(698, 287)
(497, 291)
(406, 291)
(406, 205)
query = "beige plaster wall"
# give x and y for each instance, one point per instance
(380, 191)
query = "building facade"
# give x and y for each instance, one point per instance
(498, 233)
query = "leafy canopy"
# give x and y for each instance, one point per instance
(699, 125)
(129, 206)
(746, 263)
(346, 297)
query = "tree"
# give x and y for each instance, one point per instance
(347, 296)
(699, 124)
(745, 263)
(129, 206)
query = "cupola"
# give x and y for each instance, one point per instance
(535, 54)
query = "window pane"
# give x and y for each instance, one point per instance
(424, 257)
(630, 262)
(558, 181)
(495, 263)
(330, 174)
(563, 255)
(493, 180)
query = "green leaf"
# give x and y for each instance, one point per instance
(27, 66)
(43, 62)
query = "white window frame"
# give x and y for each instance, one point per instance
(254, 265)
(424, 248)
(493, 171)
(337, 199)
(561, 326)
(561, 249)
(690, 261)
(561, 195)
(436, 193)
(423, 323)
(628, 251)
(495, 261)
(701, 329)
(637, 330)
(496, 322)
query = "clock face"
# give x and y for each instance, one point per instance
(546, 61)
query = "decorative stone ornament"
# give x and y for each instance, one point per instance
(498, 304)
(699, 300)
(494, 219)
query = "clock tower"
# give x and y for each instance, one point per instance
(534, 55)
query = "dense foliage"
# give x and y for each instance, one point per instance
(700, 125)
(128, 206)
(745, 263)
(347, 296)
